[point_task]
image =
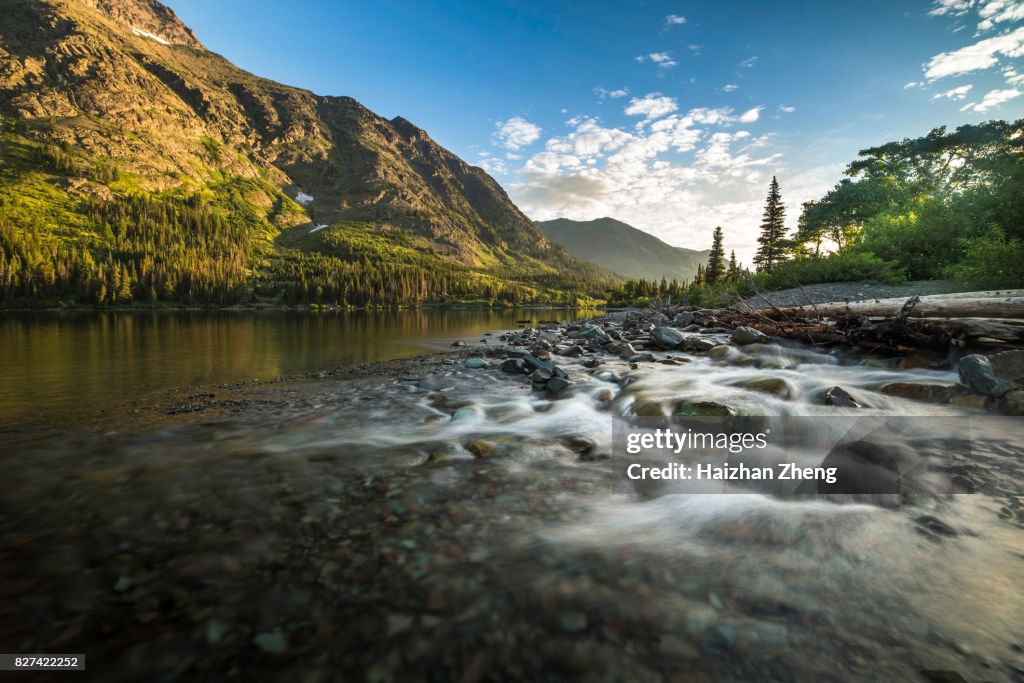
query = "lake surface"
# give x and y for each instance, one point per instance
(60, 368)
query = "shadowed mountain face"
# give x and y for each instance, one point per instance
(125, 81)
(623, 249)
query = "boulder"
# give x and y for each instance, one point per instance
(557, 385)
(475, 363)
(666, 337)
(1009, 367)
(748, 335)
(976, 372)
(1013, 402)
(704, 409)
(540, 375)
(768, 385)
(840, 398)
(683, 319)
(931, 393)
(719, 352)
(513, 365)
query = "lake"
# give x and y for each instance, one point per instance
(57, 368)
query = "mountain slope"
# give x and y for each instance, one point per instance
(623, 249)
(108, 99)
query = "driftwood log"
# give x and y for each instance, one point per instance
(967, 319)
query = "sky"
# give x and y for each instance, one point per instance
(671, 116)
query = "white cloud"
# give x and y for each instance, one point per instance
(674, 20)
(515, 133)
(748, 62)
(1012, 77)
(729, 87)
(959, 93)
(992, 99)
(912, 84)
(651, 106)
(604, 94)
(678, 176)
(492, 165)
(999, 11)
(662, 59)
(981, 55)
(786, 109)
(953, 8)
(751, 115)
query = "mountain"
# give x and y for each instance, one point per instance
(129, 151)
(623, 249)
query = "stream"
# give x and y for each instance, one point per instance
(442, 519)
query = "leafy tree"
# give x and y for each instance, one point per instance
(715, 271)
(771, 249)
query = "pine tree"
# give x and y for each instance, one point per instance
(699, 278)
(715, 271)
(734, 268)
(773, 230)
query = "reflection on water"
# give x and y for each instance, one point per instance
(57, 367)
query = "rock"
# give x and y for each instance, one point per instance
(536, 363)
(573, 621)
(475, 363)
(540, 376)
(482, 448)
(699, 344)
(677, 648)
(666, 337)
(704, 409)
(574, 351)
(594, 333)
(273, 643)
(976, 372)
(768, 385)
(748, 335)
(123, 583)
(557, 385)
(719, 352)
(513, 365)
(465, 413)
(840, 398)
(579, 445)
(1013, 402)
(461, 342)
(643, 407)
(621, 349)
(683, 319)
(919, 360)
(215, 630)
(1009, 367)
(605, 375)
(932, 393)
(641, 357)
(976, 401)
(398, 623)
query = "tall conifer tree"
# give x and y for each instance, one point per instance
(716, 259)
(773, 230)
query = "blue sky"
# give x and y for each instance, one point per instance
(671, 116)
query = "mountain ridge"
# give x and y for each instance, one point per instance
(623, 249)
(125, 84)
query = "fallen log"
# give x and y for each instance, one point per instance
(937, 306)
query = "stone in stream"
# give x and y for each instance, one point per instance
(1009, 367)
(976, 372)
(466, 413)
(475, 363)
(976, 401)
(513, 365)
(620, 349)
(574, 351)
(557, 385)
(461, 342)
(748, 335)
(641, 357)
(704, 409)
(768, 385)
(273, 643)
(482, 448)
(540, 376)
(666, 337)
(840, 398)
(931, 393)
(595, 333)
(683, 319)
(698, 344)
(1012, 402)
(719, 352)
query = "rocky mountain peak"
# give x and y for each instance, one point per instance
(149, 19)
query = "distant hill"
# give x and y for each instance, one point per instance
(623, 249)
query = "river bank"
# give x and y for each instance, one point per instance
(448, 517)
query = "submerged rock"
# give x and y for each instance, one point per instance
(840, 398)
(768, 385)
(748, 335)
(719, 352)
(704, 409)
(482, 448)
(557, 385)
(475, 363)
(513, 365)
(932, 393)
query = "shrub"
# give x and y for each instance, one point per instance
(989, 261)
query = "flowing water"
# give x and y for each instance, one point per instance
(444, 522)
